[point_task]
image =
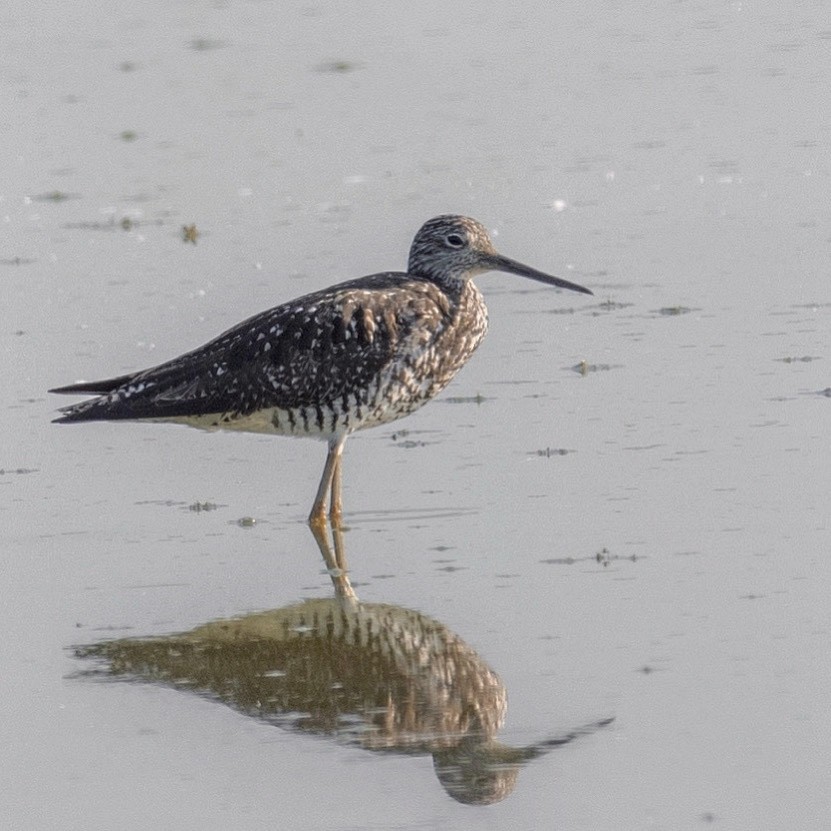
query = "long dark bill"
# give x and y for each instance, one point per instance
(499, 263)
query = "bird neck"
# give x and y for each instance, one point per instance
(453, 284)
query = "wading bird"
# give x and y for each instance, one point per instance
(355, 355)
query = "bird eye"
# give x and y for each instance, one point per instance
(455, 241)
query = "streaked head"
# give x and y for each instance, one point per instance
(451, 247)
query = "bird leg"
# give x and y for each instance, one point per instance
(335, 560)
(335, 502)
(330, 481)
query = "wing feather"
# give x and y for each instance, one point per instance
(306, 353)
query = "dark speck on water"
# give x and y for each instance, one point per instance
(206, 44)
(603, 556)
(199, 507)
(126, 223)
(55, 196)
(464, 399)
(584, 367)
(339, 66)
(548, 452)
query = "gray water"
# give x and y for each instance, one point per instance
(618, 510)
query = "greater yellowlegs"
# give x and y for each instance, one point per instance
(355, 355)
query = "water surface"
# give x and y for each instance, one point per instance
(619, 508)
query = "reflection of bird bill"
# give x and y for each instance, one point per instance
(481, 773)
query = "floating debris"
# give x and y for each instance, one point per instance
(548, 452)
(408, 444)
(198, 507)
(805, 359)
(339, 66)
(604, 557)
(560, 310)
(674, 311)
(612, 305)
(584, 367)
(126, 223)
(190, 233)
(54, 196)
(206, 44)
(465, 399)
(165, 503)
(17, 261)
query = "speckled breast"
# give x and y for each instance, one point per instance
(426, 343)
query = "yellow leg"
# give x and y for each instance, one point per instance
(331, 472)
(335, 560)
(336, 502)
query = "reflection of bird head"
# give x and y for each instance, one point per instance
(482, 771)
(479, 774)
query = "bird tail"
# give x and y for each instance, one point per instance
(94, 409)
(85, 411)
(95, 387)
(135, 397)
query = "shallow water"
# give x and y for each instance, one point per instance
(619, 508)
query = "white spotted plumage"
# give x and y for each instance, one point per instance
(356, 355)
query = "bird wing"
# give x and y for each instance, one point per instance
(310, 352)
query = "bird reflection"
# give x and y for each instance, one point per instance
(372, 675)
